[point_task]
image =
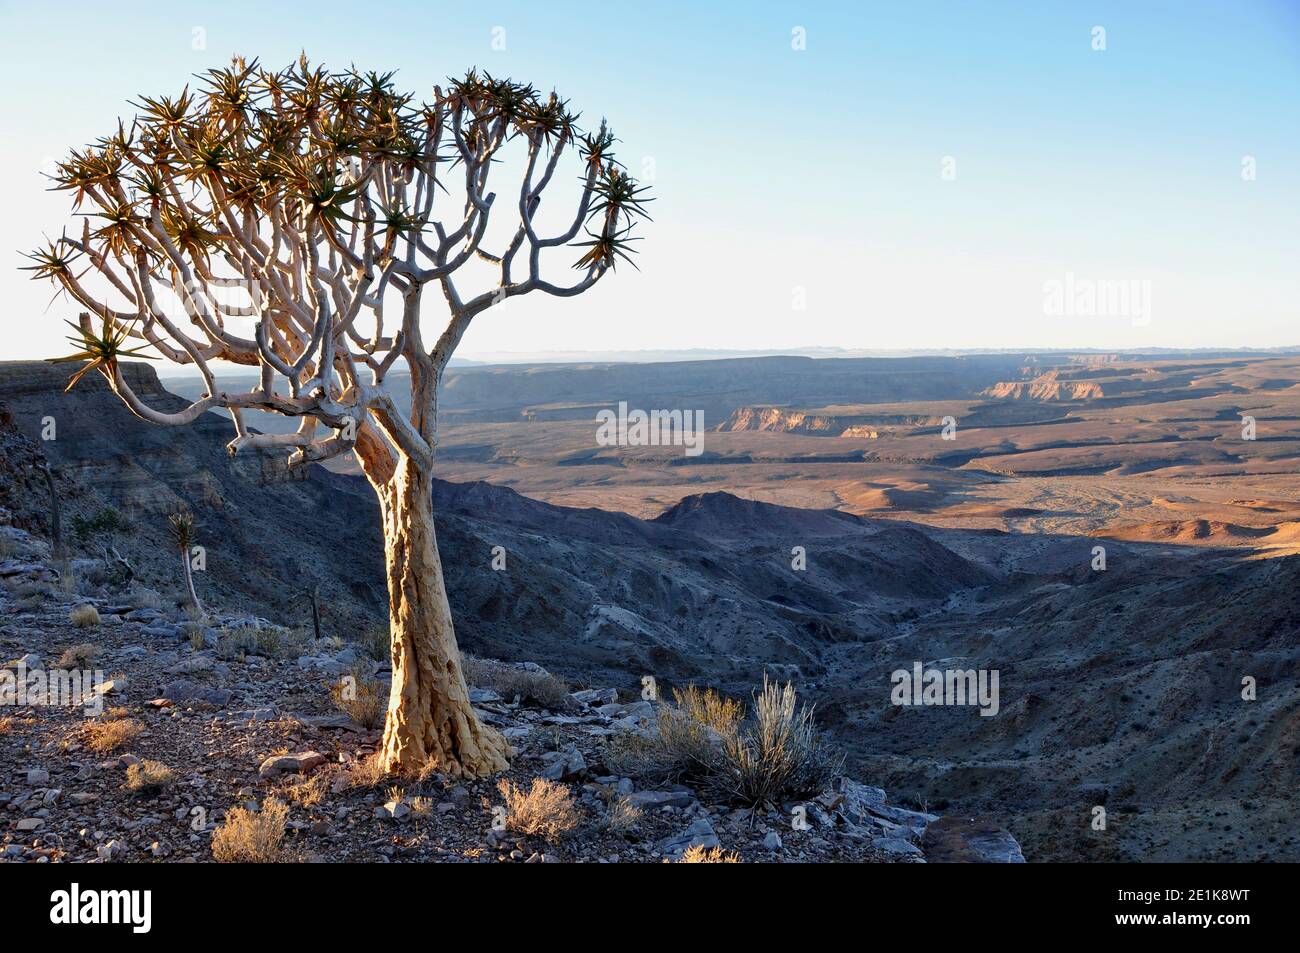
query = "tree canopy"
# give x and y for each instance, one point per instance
(285, 210)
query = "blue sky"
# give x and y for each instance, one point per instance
(787, 176)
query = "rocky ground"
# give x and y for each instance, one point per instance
(240, 712)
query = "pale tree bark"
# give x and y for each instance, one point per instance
(430, 720)
(190, 591)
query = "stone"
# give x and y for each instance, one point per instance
(162, 630)
(699, 834)
(191, 665)
(654, 800)
(772, 841)
(186, 691)
(113, 686)
(335, 721)
(38, 776)
(969, 840)
(393, 811)
(595, 696)
(113, 850)
(277, 765)
(30, 824)
(865, 805)
(322, 663)
(897, 846)
(256, 714)
(479, 696)
(564, 765)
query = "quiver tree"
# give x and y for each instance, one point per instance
(299, 219)
(184, 531)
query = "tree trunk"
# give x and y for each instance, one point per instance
(190, 592)
(430, 722)
(56, 523)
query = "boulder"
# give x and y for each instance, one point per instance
(969, 840)
(595, 696)
(699, 834)
(277, 765)
(654, 800)
(565, 765)
(183, 691)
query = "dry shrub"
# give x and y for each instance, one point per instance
(68, 583)
(687, 740)
(6, 724)
(149, 778)
(252, 837)
(310, 791)
(540, 688)
(421, 807)
(267, 641)
(708, 855)
(376, 642)
(546, 809)
(780, 755)
(777, 754)
(84, 617)
(623, 816)
(78, 656)
(110, 734)
(361, 698)
(367, 773)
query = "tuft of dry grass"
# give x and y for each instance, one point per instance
(376, 642)
(421, 807)
(252, 837)
(310, 791)
(708, 855)
(781, 755)
(78, 656)
(541, 688)
(546, 808)
(687, 740)
(704, 739)
(84, 617)
(360, 698)
(367, 773)
(108, 735)
(6, 724)
(68, 583)
(623, 816)
(149, 778)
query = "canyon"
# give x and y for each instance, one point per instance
(1119, 687)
